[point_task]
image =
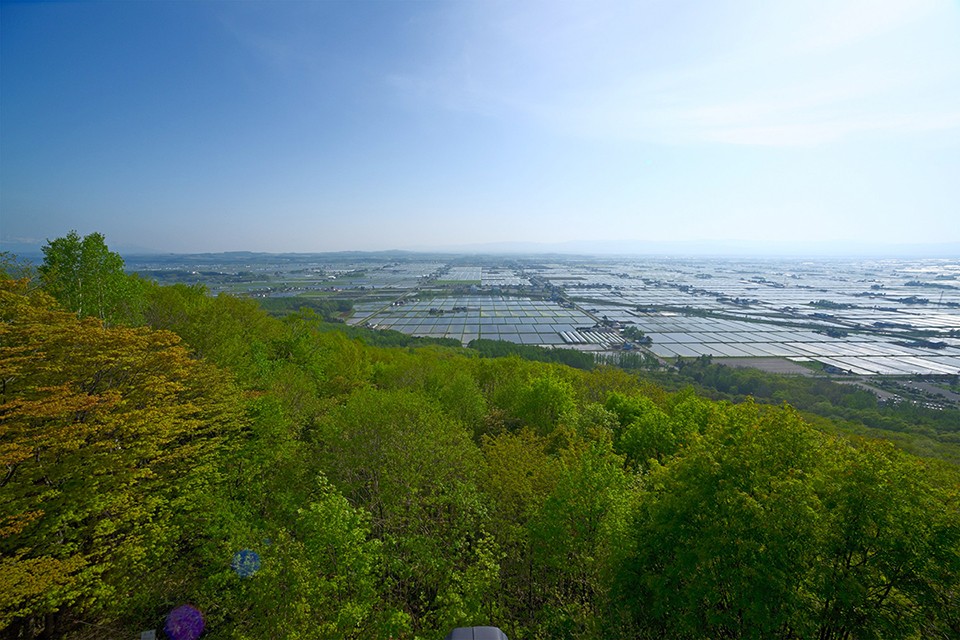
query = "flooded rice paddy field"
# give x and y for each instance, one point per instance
(466, 318)
(887, 317)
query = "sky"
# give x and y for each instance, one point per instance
(328, 126)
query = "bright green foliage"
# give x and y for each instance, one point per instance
(108, 438)
(224, 330)
(88, 279)
(441, 374)
(645, 431)
(501, 380)
(502, 348)
(544, 402)
(346, 365)
(596, 423)
(604, 381)
(519, 475)
(458, 395)
(470, 596)
(891, 548)
(627, 409)
(414, 470)
(318, 578)
(33, 585)
(567, 540)
(724, 532)
(932, 432)
(649, 435)
(764, 528)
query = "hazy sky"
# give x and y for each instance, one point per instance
(314, 126)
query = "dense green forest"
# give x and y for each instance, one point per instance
(849, 408)
(161, 447)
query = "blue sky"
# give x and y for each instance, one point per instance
(317, 126)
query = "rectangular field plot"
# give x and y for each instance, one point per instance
(468, 317)
(684, 350)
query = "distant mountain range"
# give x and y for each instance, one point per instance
(710, 247)
(32, 250)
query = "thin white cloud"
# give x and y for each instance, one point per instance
(813, 133)
(780, 74)
(839, 24)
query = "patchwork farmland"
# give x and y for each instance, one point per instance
(858, 317)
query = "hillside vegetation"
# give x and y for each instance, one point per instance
(399, 491)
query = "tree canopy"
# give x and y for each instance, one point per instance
(108, 441)
(86, 277)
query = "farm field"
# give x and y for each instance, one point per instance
(862, 317)
(466, 318)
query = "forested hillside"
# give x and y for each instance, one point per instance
(289, 481)
(932, 432)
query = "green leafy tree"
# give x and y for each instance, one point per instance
(890, 560)
(763, 527)
(725, 533)
(414, 469)
(544, 402)
(318, 577)
(649, 436)
(224, 329)
(570, 538)
(519, 475)
(86, 277)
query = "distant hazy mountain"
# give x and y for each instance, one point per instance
(718, 247)
(32, 249)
